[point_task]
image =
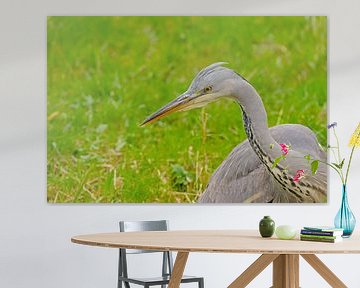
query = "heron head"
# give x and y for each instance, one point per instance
(210, 84)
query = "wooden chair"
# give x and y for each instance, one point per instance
(167, 262)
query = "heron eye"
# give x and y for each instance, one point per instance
(207, 89)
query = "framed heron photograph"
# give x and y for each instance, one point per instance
(179, 109)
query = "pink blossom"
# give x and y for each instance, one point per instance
(299, 175)
(284, 148)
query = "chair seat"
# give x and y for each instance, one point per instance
(158, 280)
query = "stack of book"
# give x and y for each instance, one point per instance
(321, 234)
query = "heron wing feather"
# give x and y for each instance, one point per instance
(243, 178)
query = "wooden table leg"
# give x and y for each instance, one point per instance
(253, 270)
(286, 271)
(324, 271)
(178, 270)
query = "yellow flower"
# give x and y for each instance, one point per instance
(355, 138)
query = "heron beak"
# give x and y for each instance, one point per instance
(179, 103)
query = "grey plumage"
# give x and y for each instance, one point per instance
(243, 169)
(249, 173)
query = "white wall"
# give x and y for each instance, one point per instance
(35, 248)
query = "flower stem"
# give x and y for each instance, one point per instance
(348, 167)
(337, 144)
(336, 169)
(340, 159)
(333, 152)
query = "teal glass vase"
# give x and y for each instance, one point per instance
(345, 219)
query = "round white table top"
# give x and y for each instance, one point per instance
(220, 241)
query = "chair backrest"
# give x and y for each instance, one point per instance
(134, 226)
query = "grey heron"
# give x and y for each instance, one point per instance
(249, 173)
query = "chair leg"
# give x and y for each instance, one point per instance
(201, 283)
(119, 270)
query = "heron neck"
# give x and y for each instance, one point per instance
(255, 122)
(261, 141)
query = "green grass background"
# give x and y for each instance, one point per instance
(106, 74)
